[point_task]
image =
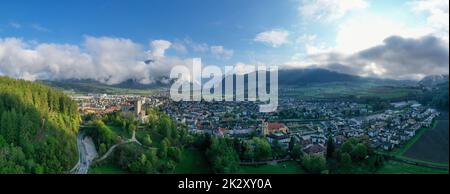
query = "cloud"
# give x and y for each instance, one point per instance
(105, 59)
(396, 58)
(357, 33)
(216, 50)
(311, 44)
(201, 47)
(179, 47)
(306, 38)
(220, 51)
(329, 10)
(15, 25)
(438, 14)
(159, 47)
(276, 37)
(39, 28)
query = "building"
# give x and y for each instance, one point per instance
(282, 138)
(314, 149)
(138, 107)
(270, 128)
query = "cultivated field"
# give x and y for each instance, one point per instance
(433, 145)
(394, 167)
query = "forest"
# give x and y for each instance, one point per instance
(38, 127)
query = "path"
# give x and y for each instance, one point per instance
(87, 152)
(133, 139)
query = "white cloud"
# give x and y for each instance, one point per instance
(105, 59)
(220, 51)
(438, 15)
(276, 37)
(159, 47)
(329, 10)
(367, 30)
(312, 45)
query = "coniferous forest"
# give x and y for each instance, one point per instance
(38, 127)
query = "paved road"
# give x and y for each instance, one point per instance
(86, 154)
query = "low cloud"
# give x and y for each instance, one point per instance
(105, 59)
(396, 58)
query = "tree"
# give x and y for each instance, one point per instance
(346, 160)
(297, 152)
(37, 124)
(347, 147)
(278, 150)
(174, 153)
(330, 147)
(262, 148)
(292, 143)
(132, 127)
(102, 148)
(222, 156)
(360, 152)
(147, 140)
(163, 148)
(165, 126)
(249, 151)
(315, 164)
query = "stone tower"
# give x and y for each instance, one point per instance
(138, 106)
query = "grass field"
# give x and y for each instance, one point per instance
(106, 169)
(394, 167)
(289, 167)
(192, 162)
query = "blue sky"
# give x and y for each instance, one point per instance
(250, 31)
(231, 23)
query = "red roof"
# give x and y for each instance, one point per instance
(273, 126)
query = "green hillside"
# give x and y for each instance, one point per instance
(38, 127)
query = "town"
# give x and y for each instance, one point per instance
(309, 123)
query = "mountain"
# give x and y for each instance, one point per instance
(286, 78)
(93, 86)
(308, 76)
(433, 80)
(312, 75)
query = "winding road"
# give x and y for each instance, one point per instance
(87, 152)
